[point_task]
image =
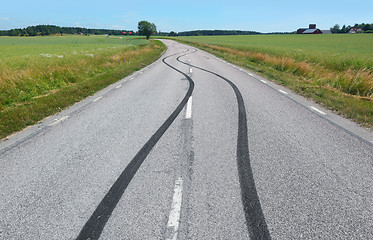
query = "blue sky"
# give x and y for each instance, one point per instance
(173, 15)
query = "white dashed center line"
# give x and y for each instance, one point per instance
(174, 219)
(119, 86)
(189, 108)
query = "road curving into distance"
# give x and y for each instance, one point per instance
(190, 147)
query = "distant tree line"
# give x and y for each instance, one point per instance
(368, 28)
(216, 32)
(169, 34)
(44, 30)
(279, 33)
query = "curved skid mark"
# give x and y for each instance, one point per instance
(94, 226)
(255, 221)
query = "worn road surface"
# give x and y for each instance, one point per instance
(190, 147)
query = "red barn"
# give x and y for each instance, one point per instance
(310, 30)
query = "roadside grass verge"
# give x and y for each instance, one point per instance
(44, 86)
(347, 89)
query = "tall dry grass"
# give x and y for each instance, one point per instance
(42, 75)
(357, 82)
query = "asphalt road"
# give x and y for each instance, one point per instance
(190, 147)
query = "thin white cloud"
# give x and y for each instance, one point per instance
(117, 27)
(77, 25)
(4, 19)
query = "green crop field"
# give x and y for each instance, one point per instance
(15, 52)
(335, 51)
(41, 75)
(33, 66)
(335, 70)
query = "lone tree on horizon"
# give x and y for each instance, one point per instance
(146, 28)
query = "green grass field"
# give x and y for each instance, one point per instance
(19, 50)
(335, 51)
(39, 76)
(335, 70)
(33, 66)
